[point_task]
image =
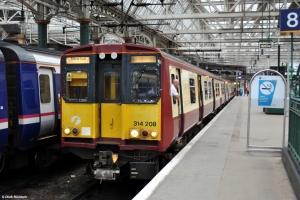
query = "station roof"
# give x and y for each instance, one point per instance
(225, 32)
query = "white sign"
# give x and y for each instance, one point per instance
(267, 91)
(265, 45)
(86, 131)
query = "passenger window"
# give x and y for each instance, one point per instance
(205, 90)
(217, 89)
(76, 87)
(111, 85)
(45, 88)
(209, 90)
(192, 90)
(172, 79)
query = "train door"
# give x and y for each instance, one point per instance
(177, 109)
(200, 97)
(224, 92)
(110, 100)
(228, 91)
(214, 93)
(47, 107)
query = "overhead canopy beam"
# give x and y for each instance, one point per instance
(225, 15)
(244, 40)
(216, 31)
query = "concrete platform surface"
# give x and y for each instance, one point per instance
(215, 164)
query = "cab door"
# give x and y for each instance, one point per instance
(177, 109)
(110, 100)
(47, 108)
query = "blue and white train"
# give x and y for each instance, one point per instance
(29, 105)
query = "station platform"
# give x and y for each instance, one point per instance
(215, 164)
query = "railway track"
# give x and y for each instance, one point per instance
(23, 183)
(59, 182)
(88, 191)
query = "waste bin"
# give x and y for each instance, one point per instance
(274, 111)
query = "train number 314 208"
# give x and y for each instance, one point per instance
(141, 123)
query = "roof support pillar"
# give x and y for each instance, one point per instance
(97, 40)
(84, 30)
(42, 33)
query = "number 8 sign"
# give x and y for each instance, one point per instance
(289, 20)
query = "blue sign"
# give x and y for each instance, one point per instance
(289, 20)
(266, 92)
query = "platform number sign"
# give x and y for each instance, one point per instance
(289, 20)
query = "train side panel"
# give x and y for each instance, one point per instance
(21, 72)
(28, 89)
(3, 106)
(28, 108)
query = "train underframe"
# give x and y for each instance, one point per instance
(41, 157)
(110, 163)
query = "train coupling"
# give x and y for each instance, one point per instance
(106, 166)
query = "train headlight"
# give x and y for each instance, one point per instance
(75, 131)
(67, 131)
(145, 133)
(134, 133)
(154, 134)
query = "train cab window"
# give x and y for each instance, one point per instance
(44, 88)
(76, 87)
(145, 85)
(112, 85)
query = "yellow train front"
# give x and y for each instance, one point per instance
(111, 108)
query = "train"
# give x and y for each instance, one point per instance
(117, 110)
(29, 106)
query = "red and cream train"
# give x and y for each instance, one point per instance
(117, 108)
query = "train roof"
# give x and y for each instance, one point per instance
(91, 47)
(15, 52)
(28, 53)
(193, 66)
(36, 49)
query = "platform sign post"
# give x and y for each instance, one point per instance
(267, 92)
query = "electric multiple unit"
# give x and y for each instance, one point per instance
(117, 107)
